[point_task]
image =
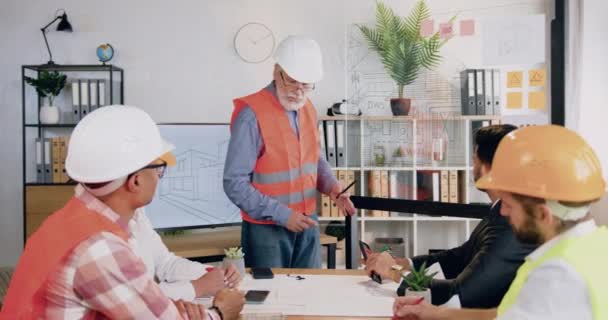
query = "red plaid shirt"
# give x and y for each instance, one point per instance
(102, 275)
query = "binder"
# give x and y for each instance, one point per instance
(384, 192)
(325, 206)
(342, 177)
(375, 190)
(56, 159)
(350, 177)
(480, 95)
(63, 151)
(76, 100)
(392, 185)
(330, 142)
(101, 91)
(496, 86)
(436, 195)
(340, 143)
(488, 93)
(48, 161)
(84, 98)
(93, 96)
(334, 209)
(39, 161)
(453, 182)
(444, 186)
(467, 92)
(322, 141)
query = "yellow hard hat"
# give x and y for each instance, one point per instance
(548, 162)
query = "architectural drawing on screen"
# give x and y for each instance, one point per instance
(190, 195)
(193, 187)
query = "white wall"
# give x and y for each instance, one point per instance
(178, 59)
(593, 109)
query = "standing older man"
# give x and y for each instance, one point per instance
(273, 167)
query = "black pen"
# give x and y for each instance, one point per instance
(346, 189)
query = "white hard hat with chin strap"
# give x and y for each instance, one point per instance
(112, 142)
(300, 57)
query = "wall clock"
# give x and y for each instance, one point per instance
(254, 42)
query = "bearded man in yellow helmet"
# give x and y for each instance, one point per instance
(547, 177)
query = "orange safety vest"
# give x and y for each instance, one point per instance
(45, 251)
(287, 169)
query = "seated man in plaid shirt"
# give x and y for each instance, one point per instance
(80, 263)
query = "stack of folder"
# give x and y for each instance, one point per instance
(328, 207)
(332, 134)
(480, 92)
(50, 159)
(87, 95)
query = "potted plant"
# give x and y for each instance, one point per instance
(399, 156)
(234, 256)
(48, 84)
(418, 282)
(402, 49)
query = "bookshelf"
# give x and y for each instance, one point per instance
(41, 193)
(409, 173)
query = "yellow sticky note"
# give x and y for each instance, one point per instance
(536, 100)
(537, 77)
(514, 79)
(514, 100)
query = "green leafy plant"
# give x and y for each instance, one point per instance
(48, 84)
(398, 152)
(402, 49)
(234, 253)
(379, 159)
(419, 280)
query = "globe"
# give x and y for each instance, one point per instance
(105, 52)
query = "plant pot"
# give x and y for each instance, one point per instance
(426, 294)
(239, 264)
(49, 115)
(401, 106)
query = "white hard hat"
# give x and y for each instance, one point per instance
(112, 142)
(301, 58)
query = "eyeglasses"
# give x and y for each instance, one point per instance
(160, 169)
(293, 84)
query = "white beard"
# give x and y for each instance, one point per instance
(292, 106)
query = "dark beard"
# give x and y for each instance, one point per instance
(529, 234)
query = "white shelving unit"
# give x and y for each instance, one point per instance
(420, 232)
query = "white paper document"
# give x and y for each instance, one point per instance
(514, 40)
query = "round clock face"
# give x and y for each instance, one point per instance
(254, 42)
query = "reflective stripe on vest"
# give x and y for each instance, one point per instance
(44, 251)
(296, 197)
(284, 176)
(584, 254)
(287, 169)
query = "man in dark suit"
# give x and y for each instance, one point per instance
(480, 270)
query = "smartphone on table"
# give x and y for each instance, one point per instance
(256, 296)
(262, 273)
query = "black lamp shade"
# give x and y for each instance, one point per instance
(64, 24)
